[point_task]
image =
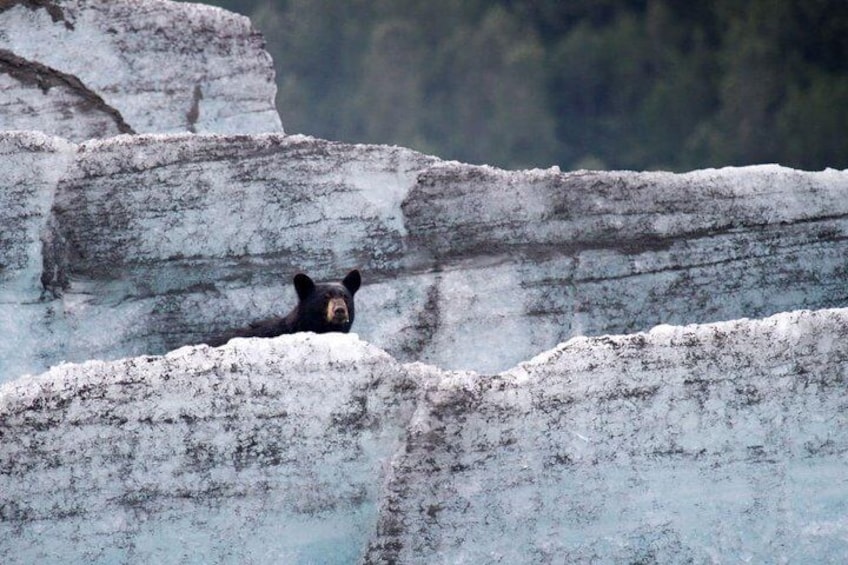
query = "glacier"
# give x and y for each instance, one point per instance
(141, 244)
(702, 443)
(82, 69)
(548, 366)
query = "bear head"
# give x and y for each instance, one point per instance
(325, 307)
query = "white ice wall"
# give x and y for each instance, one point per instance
(157, 241)
(143, 65)
(29, 320)
(712, 443)
(262, 451)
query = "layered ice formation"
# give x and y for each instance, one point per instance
(711, 443)
(152, 242)
(82, 69)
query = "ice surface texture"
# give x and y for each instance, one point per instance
(266, 451)
(155, 241)
(82, 69)
(720, 442)
(711, 443)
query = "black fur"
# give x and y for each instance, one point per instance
(310, 314)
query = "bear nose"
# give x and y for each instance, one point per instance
(337, 311)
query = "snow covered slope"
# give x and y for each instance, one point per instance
(711, 443)
(84, 69)
(157, 241)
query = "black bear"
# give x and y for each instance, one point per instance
(321, 308)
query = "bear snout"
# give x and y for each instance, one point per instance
(337, 311)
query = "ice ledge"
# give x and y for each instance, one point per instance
(710, 442)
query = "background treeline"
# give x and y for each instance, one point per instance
(638, 84)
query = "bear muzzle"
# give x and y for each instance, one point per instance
(337, 311)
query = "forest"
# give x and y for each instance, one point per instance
(601, 84)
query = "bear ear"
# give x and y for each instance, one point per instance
(352, 281)
(303, 285)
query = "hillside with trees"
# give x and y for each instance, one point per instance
(636, 84)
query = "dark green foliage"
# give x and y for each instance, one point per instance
(637, 84)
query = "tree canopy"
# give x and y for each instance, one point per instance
(636, 84)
